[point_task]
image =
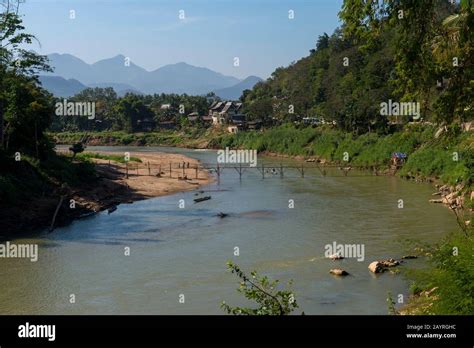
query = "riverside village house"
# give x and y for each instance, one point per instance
(228, 113)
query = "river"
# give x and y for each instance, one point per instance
(177, 252)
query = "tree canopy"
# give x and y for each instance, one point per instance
(25, 108)
(417, 51)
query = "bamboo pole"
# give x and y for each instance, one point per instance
(51, 228)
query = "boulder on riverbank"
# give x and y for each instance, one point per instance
(436, 201)
(452, 196)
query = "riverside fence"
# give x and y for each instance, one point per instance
(186, 170)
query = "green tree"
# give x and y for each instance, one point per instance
(131, 110)
(105, 99)
(261, 109)
(17, 64)
(323, 42)
(453, 51)
(28, 111)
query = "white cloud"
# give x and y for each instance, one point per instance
(179, 23)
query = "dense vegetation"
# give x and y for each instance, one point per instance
(448, 280)
(132, 112)
(417, 51)
(427, 157)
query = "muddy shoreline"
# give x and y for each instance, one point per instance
(113, 186)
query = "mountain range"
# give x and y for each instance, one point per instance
(71, 75)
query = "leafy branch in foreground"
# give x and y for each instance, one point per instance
(263, 292)
(392, 310)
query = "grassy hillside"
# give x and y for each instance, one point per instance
(427, 156)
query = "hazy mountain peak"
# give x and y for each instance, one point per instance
(253, 77)
(180, 65)
(65, 57)
(118, 59)
(234, 92)
(178, 78)
(61, 87)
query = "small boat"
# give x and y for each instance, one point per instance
(112, 209)
(201, 199)
(222, 215)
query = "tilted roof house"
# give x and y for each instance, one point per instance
(227, 112)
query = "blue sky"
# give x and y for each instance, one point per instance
(213, 32)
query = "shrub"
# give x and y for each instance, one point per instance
(451, 274)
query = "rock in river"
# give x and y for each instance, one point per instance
(376, 267)
(389, 263)
(408, 257)
(338, 272)
(335, 257)
(381, 266)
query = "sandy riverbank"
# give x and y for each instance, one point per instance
(151, 177)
